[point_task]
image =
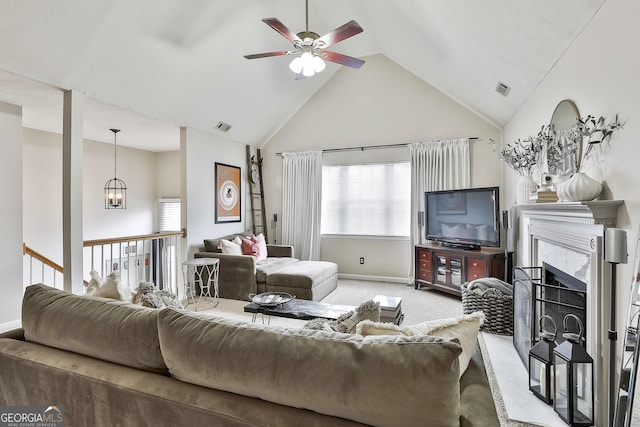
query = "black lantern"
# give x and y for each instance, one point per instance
(541, 363)
(573, 379)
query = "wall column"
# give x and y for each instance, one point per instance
(72, 153)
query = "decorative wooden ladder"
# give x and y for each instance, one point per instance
(256, 190)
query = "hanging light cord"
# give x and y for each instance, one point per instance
(115, 152)
(306, 8)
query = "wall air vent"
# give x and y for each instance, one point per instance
(502, 89)
(223, 127)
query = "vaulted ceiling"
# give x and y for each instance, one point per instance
(150, 67)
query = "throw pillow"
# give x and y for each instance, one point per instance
(368, 327)
(368, 310)
(465, 328)
(94, 284)
(231, 247)
(149, 296)
(249, 247)
(109, 288)
(262, 242)
(112, 288)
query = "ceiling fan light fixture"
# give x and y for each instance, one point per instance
(318, 64)
(296, 65)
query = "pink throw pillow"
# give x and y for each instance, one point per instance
(259, 239)
(252, 248)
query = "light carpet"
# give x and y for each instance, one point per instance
(417, 306)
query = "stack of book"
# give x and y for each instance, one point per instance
(390, 309)
(543, 197)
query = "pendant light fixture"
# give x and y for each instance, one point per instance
(115, 190)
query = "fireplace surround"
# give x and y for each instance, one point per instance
(569, 236)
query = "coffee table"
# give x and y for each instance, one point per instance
(300, 309)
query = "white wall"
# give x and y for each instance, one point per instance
(200, 151)
(599, 72)
(43, 192)
(11, 215)
(381, 103)
(168, 177)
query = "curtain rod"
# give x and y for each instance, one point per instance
(376, 147)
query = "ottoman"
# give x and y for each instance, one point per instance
(310, 280)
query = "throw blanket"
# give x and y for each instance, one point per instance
(491, 283)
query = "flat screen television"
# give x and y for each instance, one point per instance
(466, 218)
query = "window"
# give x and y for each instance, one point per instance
(169, 215)
(369, 199)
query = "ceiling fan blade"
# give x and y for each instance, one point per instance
(345, 31)
(267, 54)
(339, 58)
(282, 29)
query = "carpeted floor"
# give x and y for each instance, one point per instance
(417, 306)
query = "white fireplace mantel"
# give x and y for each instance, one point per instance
(570, 236)
(570, 227)
(595, 212)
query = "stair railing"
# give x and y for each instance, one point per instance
(151, 258)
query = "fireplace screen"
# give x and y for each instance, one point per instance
(539, 291)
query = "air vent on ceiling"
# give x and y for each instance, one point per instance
(502, 89)
(223, 127)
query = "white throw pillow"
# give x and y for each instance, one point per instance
(231, 247)
(94, 284)
(114, 290)
(464, 327)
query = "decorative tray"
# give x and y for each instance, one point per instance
(270, 299)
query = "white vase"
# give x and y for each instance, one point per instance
(526, 185)
(579, 188)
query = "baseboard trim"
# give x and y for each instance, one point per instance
(403, 280)
(9, 326)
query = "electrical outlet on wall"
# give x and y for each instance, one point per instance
(361, 260)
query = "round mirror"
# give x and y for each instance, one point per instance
(561, 159)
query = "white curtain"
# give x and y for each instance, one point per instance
(301, 198)
(438, 165)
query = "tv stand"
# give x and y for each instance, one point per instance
(446, 268)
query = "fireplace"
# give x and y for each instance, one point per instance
(565, 241)
(544, 291)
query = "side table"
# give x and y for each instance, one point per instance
(204, 272)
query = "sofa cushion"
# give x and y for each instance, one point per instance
(330, 373)
(105, 329)
(269, 265)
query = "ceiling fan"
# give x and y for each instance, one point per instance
(310, 48)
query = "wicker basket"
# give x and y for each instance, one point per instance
(497, 309)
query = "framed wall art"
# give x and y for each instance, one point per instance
(227, 193)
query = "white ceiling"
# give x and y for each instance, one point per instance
(149, 67)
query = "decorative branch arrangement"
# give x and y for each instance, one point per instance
(587, 133)
(523, 155)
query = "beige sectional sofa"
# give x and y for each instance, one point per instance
(241, 275)
(110, 363)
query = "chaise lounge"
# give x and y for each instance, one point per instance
(242, 275)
